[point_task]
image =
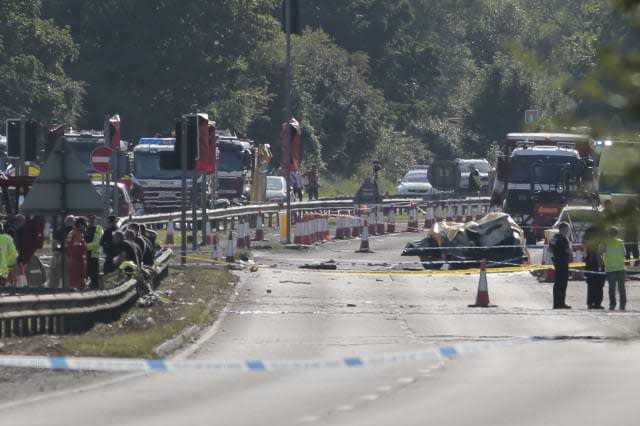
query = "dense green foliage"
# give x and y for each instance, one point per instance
(402, 81)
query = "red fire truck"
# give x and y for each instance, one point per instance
(539, 173)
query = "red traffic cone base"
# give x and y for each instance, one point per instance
(482, 298)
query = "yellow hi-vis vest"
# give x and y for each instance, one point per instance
(9, 254)
(614, 255)
(94, 246)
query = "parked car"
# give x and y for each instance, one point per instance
(484, 168)
(125, 203)
(579, 218)
(415, 183)
(276, 189)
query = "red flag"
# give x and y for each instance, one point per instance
(112, 133)
(294, 141)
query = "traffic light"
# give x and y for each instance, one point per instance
(294, 7)
(170, 160)
(14, 130)
(32, 137)
(189, 137)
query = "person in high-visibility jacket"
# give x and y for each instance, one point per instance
(92, 236)
(76, 254)
(614, 268)
(8, 256)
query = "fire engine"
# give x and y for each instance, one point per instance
(235, 166)
(540, 173)
(156, 189)
(83, 143)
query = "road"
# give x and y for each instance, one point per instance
(367, 310)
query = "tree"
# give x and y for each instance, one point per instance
(33, 55)
(153, 62)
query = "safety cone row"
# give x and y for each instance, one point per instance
(373, 219)
(380, 223)
(259, 227)
(247, 235)
(340, 226)
(350, 225)
(412, 224)
(169, 238)
(364, 240)
(460, 218)
(482, 298)
(240, 241)
(391, 220)
(230, 249)
(429, 216)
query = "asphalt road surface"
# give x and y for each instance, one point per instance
(418, 355)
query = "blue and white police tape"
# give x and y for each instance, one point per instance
(255, 365)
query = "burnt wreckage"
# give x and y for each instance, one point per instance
(496, 238)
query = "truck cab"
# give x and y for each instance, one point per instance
(234, 172)
(543, 180)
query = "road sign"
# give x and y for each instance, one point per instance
(100, 158)
(530, 115)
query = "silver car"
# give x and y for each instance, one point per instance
(276, 189)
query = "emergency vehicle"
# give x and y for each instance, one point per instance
(83, 143)
(539, 173)
(155, 189)
(235, 166)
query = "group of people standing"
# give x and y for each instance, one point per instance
(604, 261)
(77, 247)
(312, 185)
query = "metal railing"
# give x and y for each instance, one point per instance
(52, 311)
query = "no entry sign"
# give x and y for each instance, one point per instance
(100, 158)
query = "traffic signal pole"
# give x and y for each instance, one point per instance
(287, 26)
(23, 148)
(183, 166)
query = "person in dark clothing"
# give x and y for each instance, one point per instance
(108, 246)
(594, 267)
(151, 236)
(59, 238)
(561, 249)
(145, 245)
(125, 249)
(475, 182)
(130, 237)
(92, 236)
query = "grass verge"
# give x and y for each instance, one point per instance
(191, 296)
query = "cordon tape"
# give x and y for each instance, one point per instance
(257, 365)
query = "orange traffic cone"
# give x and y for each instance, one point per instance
(482, 299)
(22, 278)
(259, 227)
(230, 249)
(364, 241)
(412, 224)
(169, 239)
(241, 241)
(215, 248)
